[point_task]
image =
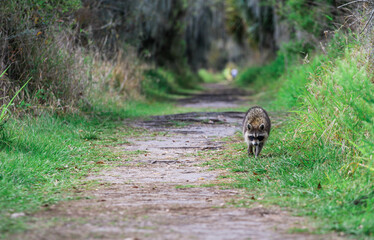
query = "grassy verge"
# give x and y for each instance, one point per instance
(42, 159)
(319, 159)
(311, 183)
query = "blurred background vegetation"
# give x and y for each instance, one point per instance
(70, 48)
(96, 57)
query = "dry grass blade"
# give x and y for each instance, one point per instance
(371, 12)
(367, 22)
(349, 3)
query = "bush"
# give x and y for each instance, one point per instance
(209, 77)
(32, 45)
(158, 83)
(261, 76)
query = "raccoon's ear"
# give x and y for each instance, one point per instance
(262, 126)
(249, 126)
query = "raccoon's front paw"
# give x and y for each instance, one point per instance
(250, 152)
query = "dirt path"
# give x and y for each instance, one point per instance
(158, 193)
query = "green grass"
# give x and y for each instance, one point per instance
(262, 77)
(336, 106)
(117, 109)
(163, 84)
(319, 159)
(210, 77)
(311, 182)
(42, 159)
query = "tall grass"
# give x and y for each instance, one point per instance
(34, 46)
(335, 104)
(321, 158)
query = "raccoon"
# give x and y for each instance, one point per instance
(256, 129)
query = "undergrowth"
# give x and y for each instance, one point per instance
(32, 45)
(210, 77)
(260, 77)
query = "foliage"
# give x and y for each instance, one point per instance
(161, 83)
(313, 17)
(251, 20)
(34, 48)
(165, 51)
(269, 24)
(158, 82)
(209, 77)
(261, 76)
(235, 23)
(297, 76)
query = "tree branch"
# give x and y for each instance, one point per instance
(366, 1)
(367, 23)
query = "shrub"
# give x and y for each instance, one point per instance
(261, 76)
(209, 77)
(159, 82)
(33, 46)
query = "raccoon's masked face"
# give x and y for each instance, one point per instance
(256, 135)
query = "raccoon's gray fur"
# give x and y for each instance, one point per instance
(256, 129)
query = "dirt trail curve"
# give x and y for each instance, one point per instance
(141, 198)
